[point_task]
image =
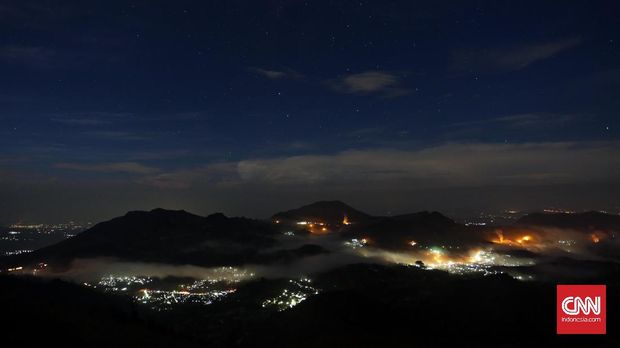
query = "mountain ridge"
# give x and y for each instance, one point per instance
(585, 221)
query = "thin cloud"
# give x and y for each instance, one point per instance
(524, 120)
(277, 74)
(510, 58)
(446, 165)
(369, 82)
(97, 118)
(114, 167)
(40, 14)
(37, 56)
(220, 174)
(116, 135)
(81, 121)
(535, 120)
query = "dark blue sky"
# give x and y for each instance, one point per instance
(249, 106)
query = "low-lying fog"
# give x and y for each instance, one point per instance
(505, 248)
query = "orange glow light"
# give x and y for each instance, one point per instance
(345, 220)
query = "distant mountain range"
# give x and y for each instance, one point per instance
(587, 221)
(179, 237)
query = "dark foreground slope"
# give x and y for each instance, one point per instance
(379, 306)
(361, 305)
(59, 314)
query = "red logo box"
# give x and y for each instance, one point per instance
(581, 309)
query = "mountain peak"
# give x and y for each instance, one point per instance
(332, 212)
(158, 212)
(217, 216)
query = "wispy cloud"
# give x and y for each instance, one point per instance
(113, 167)
(117, 135)
(37, 56)
(277, 74)
(89, 118)
(40, 14)
(370, 82)
(524, 120)
(86, 121)
(220, 174)
(510, 58)
(448, 165)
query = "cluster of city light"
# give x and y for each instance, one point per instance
(12, 238)
(297, 292)
(356, 243)
(17, 252)
(310, 223)
(452, 259)
(49, 228)
(566, 242)
(227, 274)
(475, 223)
(39, 267)
(558, 211)
(33, 269)
(483, 261)
(162, 295)
(122, 283)
(479, 261)
(482, 257)
(320, 227)
(222, 275)
(165, 299)
(466, 268)
(315, 227)
(29, 233)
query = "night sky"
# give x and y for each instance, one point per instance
(250, 107)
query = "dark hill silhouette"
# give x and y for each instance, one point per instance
(393, 232)
(176, 237)
(331, 212)
(429, 228)
(587, 221)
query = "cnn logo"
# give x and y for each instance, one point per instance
(581, 309)
(577, 305)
